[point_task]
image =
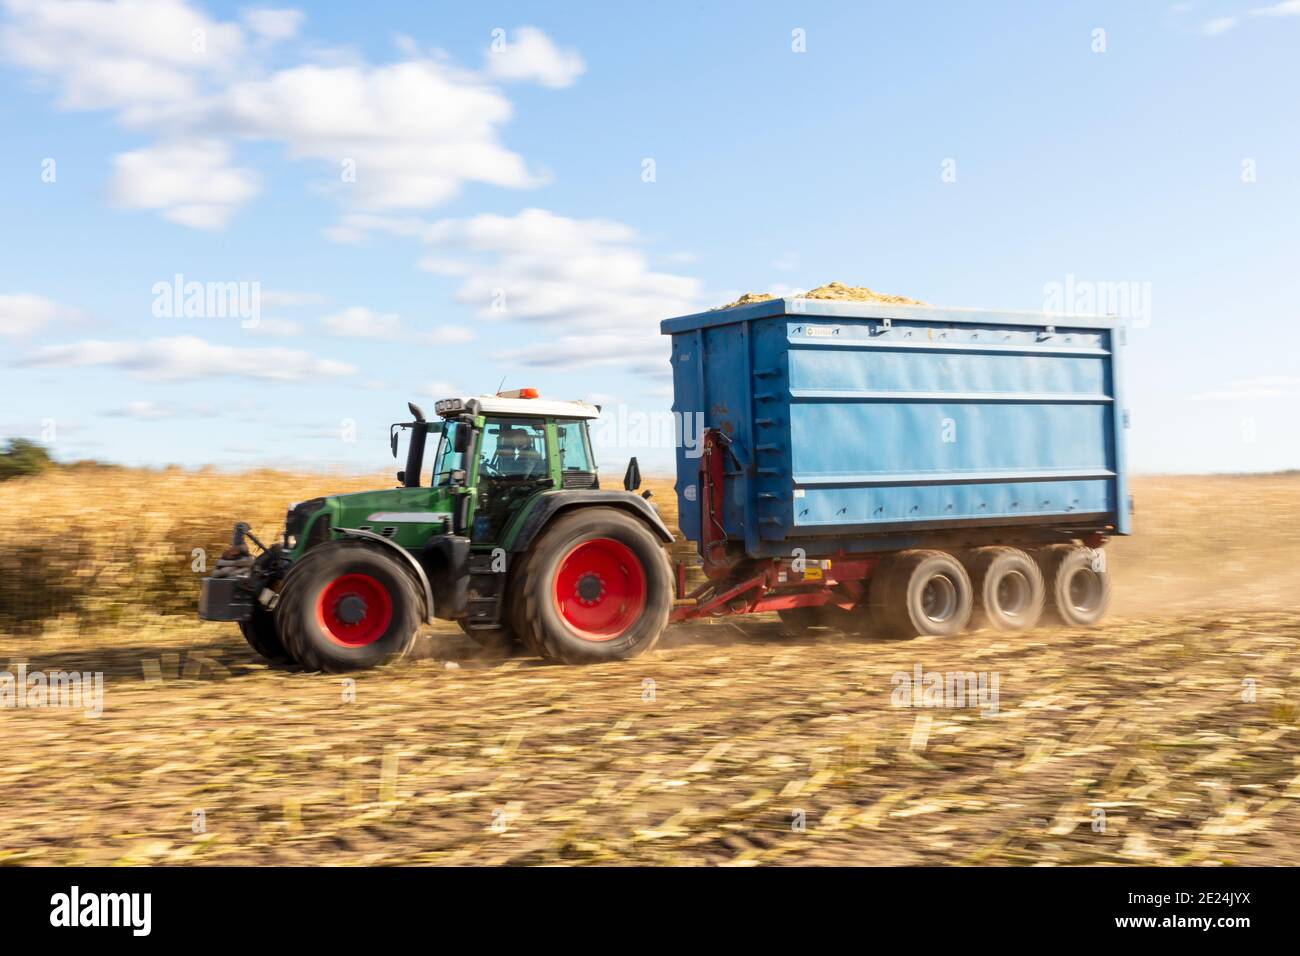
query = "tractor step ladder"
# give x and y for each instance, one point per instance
(483, 606)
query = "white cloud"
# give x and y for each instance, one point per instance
(119, 54)
(531, 55)
(441, 389)
(408, 135)
(1218, 25)
(583, 276)
(23, 313)
(1287, 8)
(276, 328)
(189, 183)
(187, 358)
(634, 353)
(144, 411)
(1262, 387)
(404, 135)
(273, 23)
(358, 322)
(286, 299)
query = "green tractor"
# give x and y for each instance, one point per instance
(507, 532)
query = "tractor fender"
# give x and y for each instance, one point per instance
(407, 557)
(551, 503)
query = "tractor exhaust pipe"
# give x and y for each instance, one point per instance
(415, 451)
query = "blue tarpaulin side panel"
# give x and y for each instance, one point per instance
(848, 419)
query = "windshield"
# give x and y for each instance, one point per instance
(448, 459)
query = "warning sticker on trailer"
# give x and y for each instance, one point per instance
(820, 331)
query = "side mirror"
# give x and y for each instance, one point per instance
(632, 478)
(392, 439)
(463, 436)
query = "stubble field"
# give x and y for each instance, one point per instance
(1167, 736)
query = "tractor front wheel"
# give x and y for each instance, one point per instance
(263, 637)
(595, 587)
(346, 605)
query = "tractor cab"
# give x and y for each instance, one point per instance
(480, 458)
(495, 452)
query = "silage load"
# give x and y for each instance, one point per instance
(832, 290)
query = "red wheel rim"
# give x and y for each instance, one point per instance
(600, 589)
(354, 610)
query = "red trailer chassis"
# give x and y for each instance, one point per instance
(737, 584)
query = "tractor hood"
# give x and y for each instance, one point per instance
(408, 516)
(391, 506)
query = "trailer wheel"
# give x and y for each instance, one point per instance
(595, 587)
(1009, 589)
(1080, 594)
(347, 607)
(262, 636)
(925, 593)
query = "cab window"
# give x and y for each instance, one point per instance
(447, 459)
(513, 448)
(575, 446)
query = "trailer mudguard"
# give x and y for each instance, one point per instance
(550, 503)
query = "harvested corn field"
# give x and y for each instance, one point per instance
(1169, 735)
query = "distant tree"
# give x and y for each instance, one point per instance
(22, 457)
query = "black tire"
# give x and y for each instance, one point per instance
(357, 572)
(500, 641)
(632, 601)
(1078, 596)
(925, 593)
(1009, 590)
(262, 636)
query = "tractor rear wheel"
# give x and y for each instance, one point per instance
(263, 637)
(1078, 584)
(595, 587)
(1008, 586)
(926, 593)
(346, 605)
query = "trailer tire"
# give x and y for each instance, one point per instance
(263, 636)
(925, 593)
(595, 586)
(1008, 586)
(1078, 595)
(349, 606)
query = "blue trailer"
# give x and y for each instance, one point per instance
(899, 467)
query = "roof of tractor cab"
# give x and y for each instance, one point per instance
(521, 407)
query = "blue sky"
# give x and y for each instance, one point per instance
(966, 155)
